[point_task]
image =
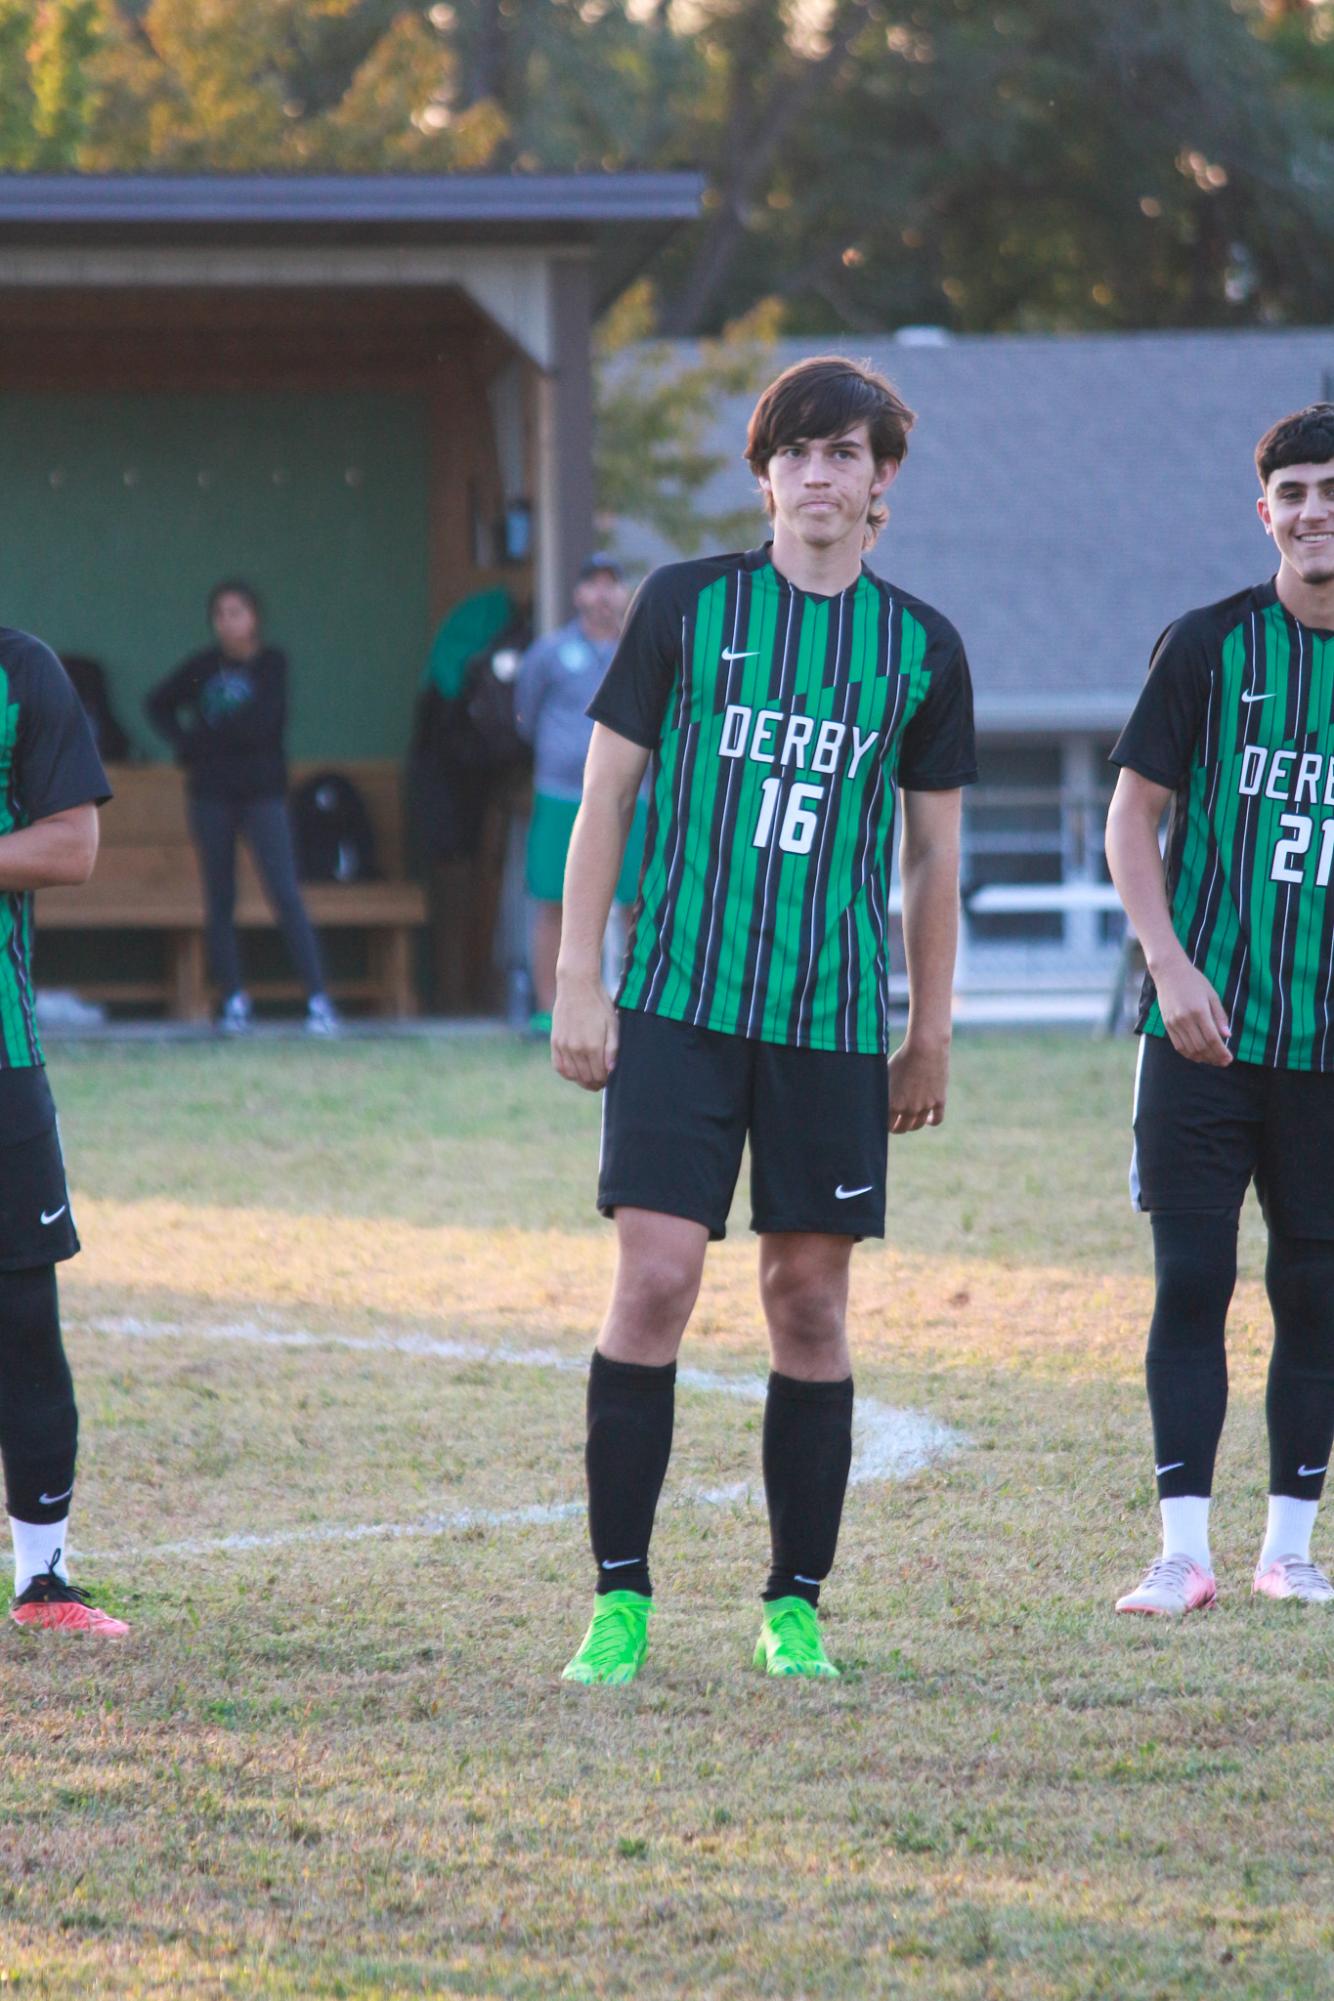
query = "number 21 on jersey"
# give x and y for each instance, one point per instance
(1287, 865)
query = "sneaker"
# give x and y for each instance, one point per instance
(1293, 1577)
(613, 1648)
(52, 1601)
(236, 1017)
(322, 1017)
(790, 1641)
(1171, 1585)
(539, 1026)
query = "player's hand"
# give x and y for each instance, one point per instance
(584, 1032)
(918, 1078)
(1194, 1017)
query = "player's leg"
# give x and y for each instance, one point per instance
(545, 951)
(549, 832)
(1197, 1137)
(213, 822)
(1296, 1184)
(807, 1445)
(39, 1423)
(268, 833)
(819, 1129)
(673, 1133)
(1185, 1373)
(1299, 1406)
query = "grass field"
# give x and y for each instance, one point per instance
(339, 1764)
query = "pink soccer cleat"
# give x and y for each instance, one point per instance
(1171, 1586)
(53, 1603)
(1293, 1577)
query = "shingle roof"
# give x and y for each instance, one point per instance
(1065, 497)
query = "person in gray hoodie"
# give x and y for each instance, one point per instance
(559, 676)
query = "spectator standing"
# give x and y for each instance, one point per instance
(224, 712)
(559, 677)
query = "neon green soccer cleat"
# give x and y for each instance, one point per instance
(790, 1641)
(613, 1648)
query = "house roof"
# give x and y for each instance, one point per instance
(623, 218)
(1065, 497)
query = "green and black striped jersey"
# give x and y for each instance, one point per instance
(1237, 715)
(47, 763)
(781, 724)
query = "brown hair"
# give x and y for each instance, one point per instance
(1304, 438)
(822, 398)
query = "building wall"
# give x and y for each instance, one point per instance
(119, 510)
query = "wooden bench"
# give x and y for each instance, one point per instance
(147, 879)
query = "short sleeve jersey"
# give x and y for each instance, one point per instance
(1237, 716)
(781, 724)
(48, 763)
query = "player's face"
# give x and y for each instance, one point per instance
(235, 625)
(600, 603)
(1298, 510)
(821, 489)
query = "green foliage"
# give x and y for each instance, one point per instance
(989, 164)
(655, 420)
(46, 81)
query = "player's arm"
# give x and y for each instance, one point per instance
(929, 875)
(59, 849)
(1193, 1015)
(583, 1023)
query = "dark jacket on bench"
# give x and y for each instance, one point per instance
(224, 719)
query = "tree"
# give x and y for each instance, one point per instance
(983, 163)
(655, 417)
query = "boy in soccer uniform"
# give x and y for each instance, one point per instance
(782, 695)
(1235, 730)
(51, 784)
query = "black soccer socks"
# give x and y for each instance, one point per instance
(39, 1424)
(630, 1412)
(1195, 1263)
(807, 1453)
(1299, 1403)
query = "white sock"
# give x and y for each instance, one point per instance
(36, 1546)
(1288, 1530)
(1186, 1528)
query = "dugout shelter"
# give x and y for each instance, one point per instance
(370, 395)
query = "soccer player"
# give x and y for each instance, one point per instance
(782, 695)
(51, 785)
(1235, 730)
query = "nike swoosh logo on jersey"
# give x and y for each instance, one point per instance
(729, 655)
(1305, 1472)
(49, 1500)
(1260, 698)
(55, 1215)
(842, 1194)
(1172, 1467)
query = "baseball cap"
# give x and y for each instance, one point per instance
(599, 563)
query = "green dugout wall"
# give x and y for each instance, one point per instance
(119, 511)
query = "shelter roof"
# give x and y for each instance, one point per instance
(622, 218)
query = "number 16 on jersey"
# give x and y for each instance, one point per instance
(796, 836)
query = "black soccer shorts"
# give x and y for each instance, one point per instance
(682, 1101)
(36, 1227)
(1203, 1134)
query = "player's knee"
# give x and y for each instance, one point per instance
(1299, 1277)
(1195, 1267)
(657, 1291)
(804, 1301)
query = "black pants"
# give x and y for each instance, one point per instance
(215, 824)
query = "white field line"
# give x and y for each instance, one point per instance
(888, 1443)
